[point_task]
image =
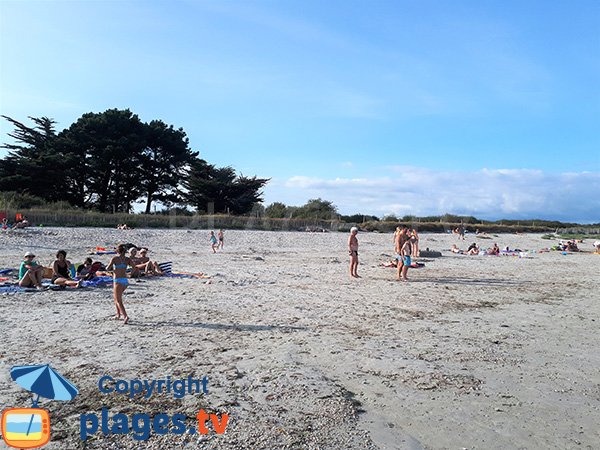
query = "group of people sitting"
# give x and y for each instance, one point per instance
(123, 226)
(475, 250)
(569, 246)
(19, 224)
(63, 273)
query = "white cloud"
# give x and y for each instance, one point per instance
(485, 193)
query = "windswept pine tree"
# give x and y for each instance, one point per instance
(220, 189)
(33, 164)
(108, 161)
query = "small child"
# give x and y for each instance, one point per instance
(213, 242)
(405, 252)
(353, 251)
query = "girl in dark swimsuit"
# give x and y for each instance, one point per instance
(61, 271)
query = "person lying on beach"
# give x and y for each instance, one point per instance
(119, 264)
(353, 252)
(30, 272)
(22, 224)
(455, 249)
(61, 271)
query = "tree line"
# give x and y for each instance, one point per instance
(110, 160)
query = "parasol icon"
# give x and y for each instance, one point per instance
(45, 382)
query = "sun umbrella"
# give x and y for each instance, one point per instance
(45, 382)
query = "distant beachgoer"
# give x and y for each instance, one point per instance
(414, 236)
(396, 232)
(5, 225)
(461, 232)
(30, 272)
(473, 249)
(401, 238)
(597, 247)
(572, 246)
(455, 249)
(353, 252)
(61, 271)
(495, 250)
(221, 238)
(405, 253)
(213, 242)
(119, 264)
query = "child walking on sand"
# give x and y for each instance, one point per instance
(213, 242)
(353, 251)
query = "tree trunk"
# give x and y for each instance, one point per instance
(149, 202)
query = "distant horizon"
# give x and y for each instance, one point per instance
(408, 108)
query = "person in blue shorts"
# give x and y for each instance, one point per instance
(119, 264)
(405, 253)
(213, 242)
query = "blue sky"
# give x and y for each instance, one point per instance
(489, 108)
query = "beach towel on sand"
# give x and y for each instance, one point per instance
(166, 267)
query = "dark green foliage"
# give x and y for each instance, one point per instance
(317, 209)
(359, 218)
(276, 210)
(163, 160)
(106, 150)
(17, 201)
(108, 161)
(32, 166)
(213, 189)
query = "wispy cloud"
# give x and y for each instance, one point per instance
(485, 193)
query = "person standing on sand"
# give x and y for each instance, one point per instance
(415, 243)
(353, 252)
(401, 238)
(405, 252)
(119, 264)
(221, 238)
(213, 242)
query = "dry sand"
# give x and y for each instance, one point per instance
(473, 352)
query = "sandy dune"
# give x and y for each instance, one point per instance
(473, 352)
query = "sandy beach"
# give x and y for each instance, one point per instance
(473, 352)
